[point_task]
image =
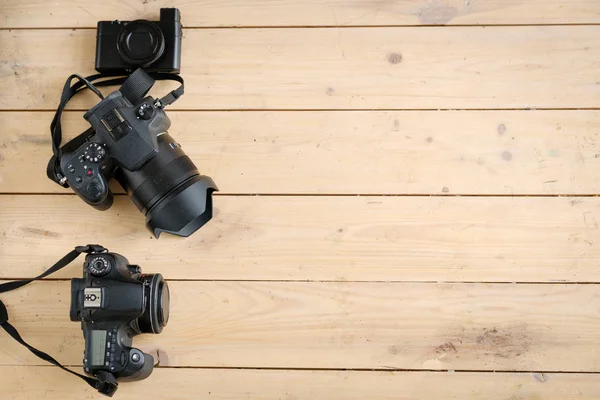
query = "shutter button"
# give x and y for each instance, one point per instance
(135, 357)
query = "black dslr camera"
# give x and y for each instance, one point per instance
(115, 302)
(123, 46)
(128, 139)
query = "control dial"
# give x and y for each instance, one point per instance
(94, 152)
(99, 266)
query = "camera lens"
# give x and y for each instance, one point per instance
(170, 191)
(141, 43)
(164, 305)
(157, 300)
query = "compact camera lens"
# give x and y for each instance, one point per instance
(157, 299)
(141, 43)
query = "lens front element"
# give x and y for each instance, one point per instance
(165, 302)
(157, 299)
(141, 43)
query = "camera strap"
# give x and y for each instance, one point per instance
(134, 87)
(105, 382)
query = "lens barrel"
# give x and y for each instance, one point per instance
(157, 300)
(140, 43)
(170, 191)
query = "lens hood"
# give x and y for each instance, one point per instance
(183, 211)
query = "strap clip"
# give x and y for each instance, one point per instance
(91, 248)
(107, 383)
(62, 180)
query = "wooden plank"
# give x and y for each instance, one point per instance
(86, 13)
(51, 384)
(477, 327)
(323, 238)
(354, 68)
(354, 152)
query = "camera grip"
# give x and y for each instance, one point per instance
(96, 193)
(100, 196)
(139, 366)
(85, 170)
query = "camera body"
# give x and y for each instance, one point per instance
(115, 302)
(123, 46)
(120, 139)
(128, 140)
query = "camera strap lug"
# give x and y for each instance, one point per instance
(173, 95)
(91, 248)
(105, 383)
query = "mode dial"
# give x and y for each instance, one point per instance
(99, 266)
(94, 152)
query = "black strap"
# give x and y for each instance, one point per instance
(134, 87)
(105, 383)
(173, 95)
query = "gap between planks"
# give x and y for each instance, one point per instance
(373, 281)
(233, 110)
(307, 369)
(54, 28)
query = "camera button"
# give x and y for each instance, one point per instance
(94, 189)
(123, 359)
(145, 111)
(79, 179)
(135, 357)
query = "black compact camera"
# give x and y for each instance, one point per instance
(128, 139)
(115, 302)
(123, 46)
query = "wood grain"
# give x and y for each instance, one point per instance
(340, 325)
(354, 152)
(354, 68)
(52, 384)
(323, 238)
(86, 13)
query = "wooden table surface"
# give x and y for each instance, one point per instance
(407, 210)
